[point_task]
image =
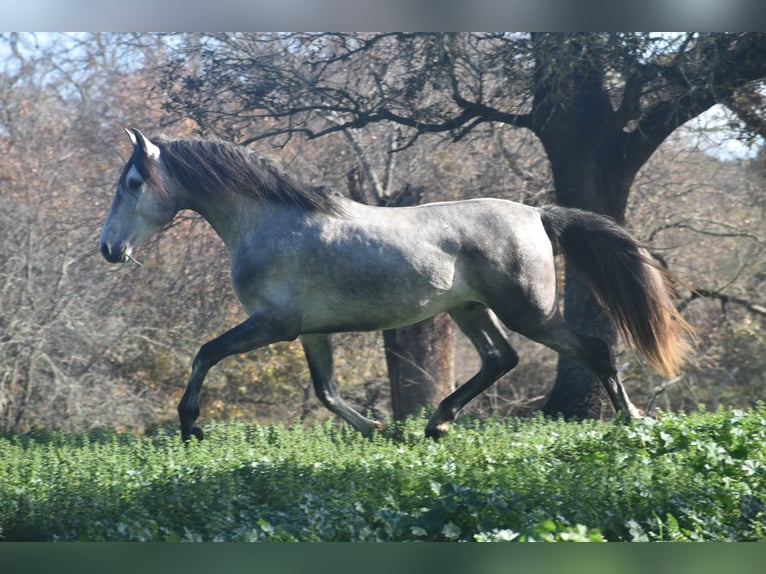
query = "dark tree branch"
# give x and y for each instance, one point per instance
(698, 293)
(732, 232)
(749, 104)
(702, 73)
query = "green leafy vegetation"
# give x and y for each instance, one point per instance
(684, 477)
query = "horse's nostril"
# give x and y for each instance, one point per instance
(109, 255)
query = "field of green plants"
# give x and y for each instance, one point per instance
(684, 477)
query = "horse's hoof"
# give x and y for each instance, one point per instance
(371, 428)
(437, 432)
(195, 431)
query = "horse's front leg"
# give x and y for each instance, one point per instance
(257, 331)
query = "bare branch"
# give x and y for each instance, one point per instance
(706, 70)
(749, 104)
(699, 293)
(731, 230)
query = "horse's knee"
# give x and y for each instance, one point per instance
(205, 358)
(510, 359)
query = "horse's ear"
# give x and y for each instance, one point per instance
(131, 135)
(138, 139)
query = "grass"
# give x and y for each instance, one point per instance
(686, 477)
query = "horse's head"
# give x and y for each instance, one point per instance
(139, 208)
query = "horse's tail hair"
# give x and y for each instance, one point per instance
(626, 281)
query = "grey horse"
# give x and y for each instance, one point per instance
(307, 262)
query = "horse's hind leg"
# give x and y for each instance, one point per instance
(497, 358)
(593, 352)
(318, 350)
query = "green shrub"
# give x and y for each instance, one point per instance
(684, 477)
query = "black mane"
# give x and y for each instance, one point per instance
(207, 165)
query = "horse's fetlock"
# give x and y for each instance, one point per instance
(188, 411)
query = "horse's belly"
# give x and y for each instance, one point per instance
(380, 306)
(366, 316)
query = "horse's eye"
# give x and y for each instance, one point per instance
(134, 184)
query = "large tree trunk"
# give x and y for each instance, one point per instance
(420, 361)
(590, 172)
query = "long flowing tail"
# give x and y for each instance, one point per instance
(625, 281)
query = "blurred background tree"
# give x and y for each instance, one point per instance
(604, 127)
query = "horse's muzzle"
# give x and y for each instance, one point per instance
(113, 255)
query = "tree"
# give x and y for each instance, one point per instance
(600, 104)
(52, 336)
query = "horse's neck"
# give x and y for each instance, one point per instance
(228, 214)
(236, 218)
